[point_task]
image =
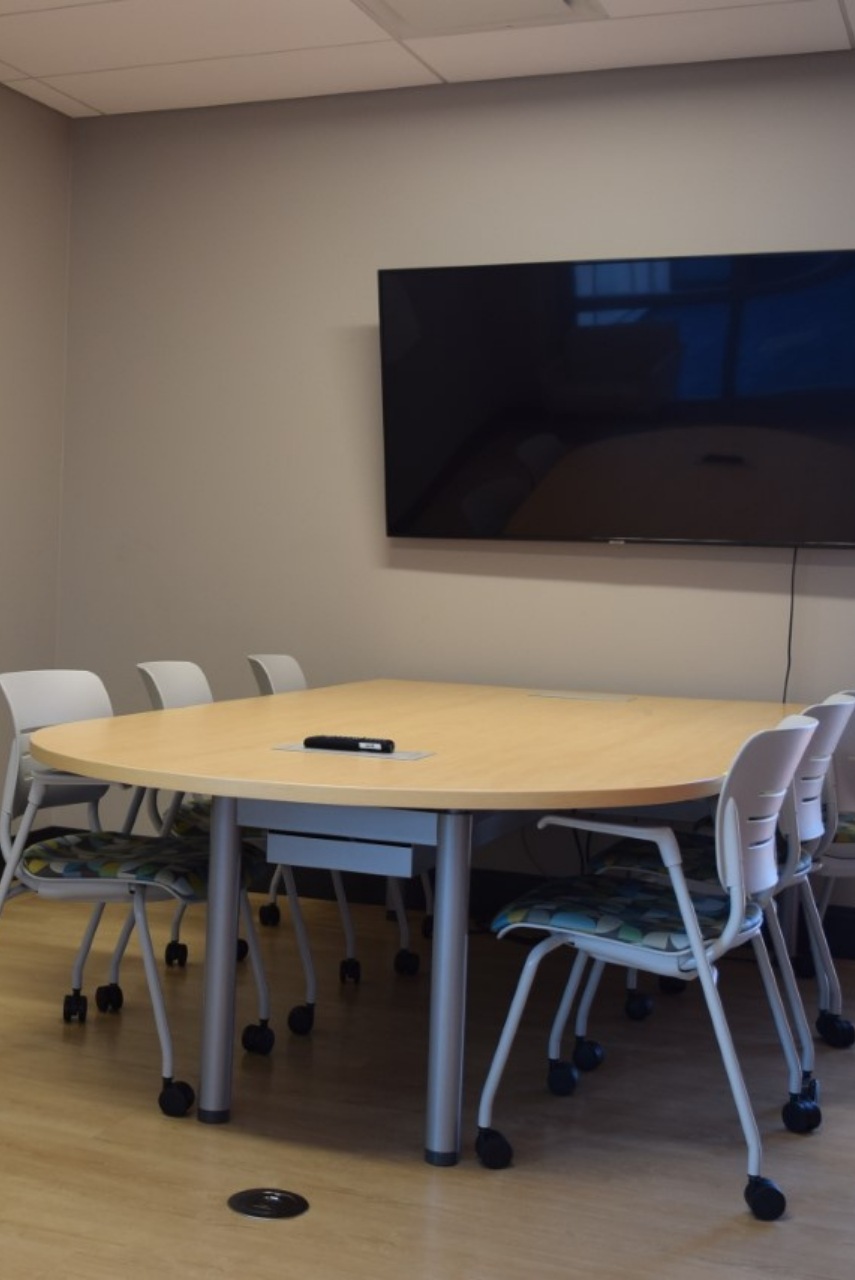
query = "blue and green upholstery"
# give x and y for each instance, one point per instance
(624, 909)
(180, 867)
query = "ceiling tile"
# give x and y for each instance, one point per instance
(644, 8)
(51, 98)
(297, 74)
(135, 33)
(33, 6)
(762, 30)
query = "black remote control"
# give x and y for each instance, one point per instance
(337, 742)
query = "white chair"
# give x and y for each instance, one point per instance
(173, 684)
(665, 929)
(810, 823)
(93, 866)
(280, 673)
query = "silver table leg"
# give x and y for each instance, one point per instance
(218, 1009)
(448, 989)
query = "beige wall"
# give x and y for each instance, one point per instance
(223, 474)
(35, 154)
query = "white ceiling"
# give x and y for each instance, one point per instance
(104, 57)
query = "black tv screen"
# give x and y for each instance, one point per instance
(685, 399)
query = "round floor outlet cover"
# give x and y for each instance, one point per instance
(268, 1202)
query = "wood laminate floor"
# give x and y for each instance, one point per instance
(639, 1173)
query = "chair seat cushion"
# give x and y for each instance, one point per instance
(193, 821)
(845, 833)
(178, 866)
(622, 909)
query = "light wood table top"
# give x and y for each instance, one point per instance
(488, 747)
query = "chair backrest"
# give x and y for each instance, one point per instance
(750, 804)
(175, 684)
(843, 771)
(37, 699)
(277, 672)
(804, 819)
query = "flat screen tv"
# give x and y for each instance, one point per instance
(687, 399)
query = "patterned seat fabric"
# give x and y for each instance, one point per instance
(845, 833)
(179, 866)
(629, 910)
(193, 822)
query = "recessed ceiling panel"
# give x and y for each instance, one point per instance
(49, 97)
(753, 31)
(447, 17)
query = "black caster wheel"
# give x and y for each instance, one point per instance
(493, 1150)
(258, 1038)
(835, 1031)
(350, 970)
(765, 1199)
(109, 998)
(75, 1007)
(638, 1006)
(407, 963)
(810, 1090)
(671, 986)
(301, 1019)
(175, 954)
(561, 1078)
(800, 1115)
(427, 927)
(587, 1055)
(242, 949)
(176, 1098)
(269, 915)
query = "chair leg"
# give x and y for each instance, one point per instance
(831, 1025)
(801, 1113)
(75, 1005)
(268, 913)
(791, 990)
(349, 969)
(406, 961)
(301, 1019)
(176, 1096)
(510, 1031)
(257, 1037)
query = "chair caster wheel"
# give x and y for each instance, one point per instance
(301, 1019)
(561, 1078)
(801, 1115)
(588, 1055)
(258, 1038)
(638, 1006)
(835, 1030)
(269, 915)
(75, 1007)
(110, 998)
(493, 1150)
(427, 927)
(175, 954)
(810, 1090)
(176, 1098)
(407, 963)
(350, 970)
(242, 949)
(671, 986)
(765, 1199)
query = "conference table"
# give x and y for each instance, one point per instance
(465, 755)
